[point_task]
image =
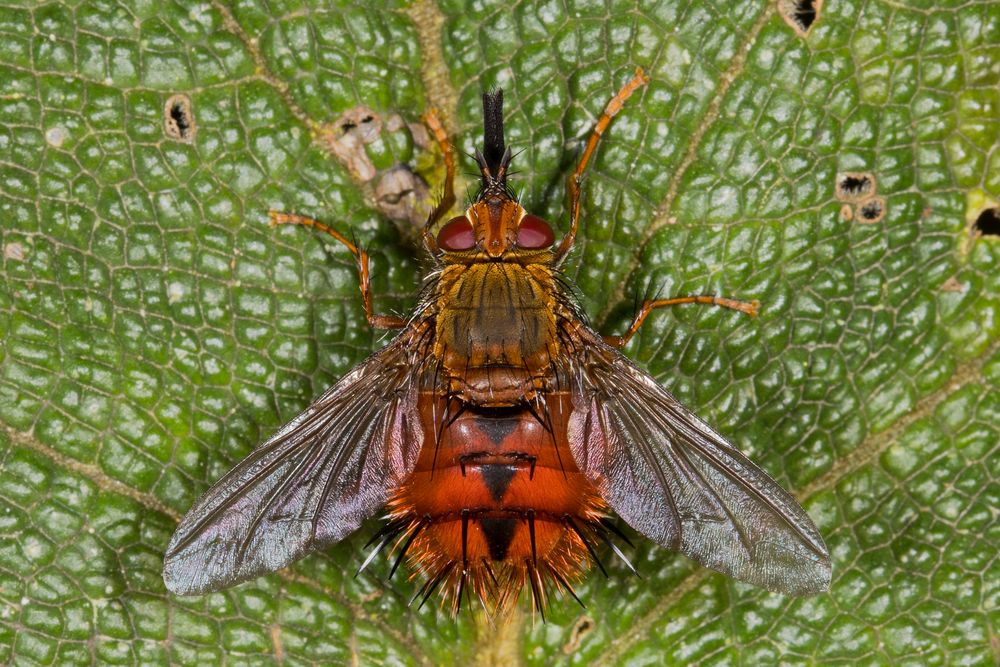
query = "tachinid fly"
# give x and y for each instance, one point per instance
(501, 433)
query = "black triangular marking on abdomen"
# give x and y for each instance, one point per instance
(497, 478)
(497, 428)
(498, 533)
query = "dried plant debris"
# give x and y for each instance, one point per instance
(403, 196)
(870, 210)
(952, 285)
(178, 118)
(853, 186)
(346, 138)
(55, 136)
(394, 188)
(13, 251)
(418, 131)
(800, 15)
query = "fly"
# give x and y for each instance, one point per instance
(500, 432)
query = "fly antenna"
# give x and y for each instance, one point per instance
(495, 156)
(493, 142)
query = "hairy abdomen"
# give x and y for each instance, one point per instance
(495, 504)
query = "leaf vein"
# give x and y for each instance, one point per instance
(866, 453)
(662, 214)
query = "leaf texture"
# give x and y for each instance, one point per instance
(154, 329)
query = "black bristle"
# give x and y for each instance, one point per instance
(561, 580)
(432, 584)
(465, 541)
(489, 571)
(406, 547)
(388, 533)
(602, 533)
(392, 527)
(531, 532)
(537, 590)
(461, 589)
(610, 525)
(586, 542)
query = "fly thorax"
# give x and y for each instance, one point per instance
(495, 330)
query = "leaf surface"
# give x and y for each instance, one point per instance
(154, 329)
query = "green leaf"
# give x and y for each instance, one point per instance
(155, 329)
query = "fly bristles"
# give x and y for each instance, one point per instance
(493, 587)
(471, 558)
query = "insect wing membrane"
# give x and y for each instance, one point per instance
(677, 481)
(308, 486)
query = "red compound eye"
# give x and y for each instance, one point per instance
(534, 233)
(457, 235)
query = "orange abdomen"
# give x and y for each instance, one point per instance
(495, 502)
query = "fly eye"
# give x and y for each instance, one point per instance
(534, 233)
(457, 234)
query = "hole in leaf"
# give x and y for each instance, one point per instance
(800, 15)
(870, 210)
(805, 13)
(178, 118)
(855, 186)
(179, 115)
(988, 222)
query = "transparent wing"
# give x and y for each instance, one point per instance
(308, 486)
(677, 481)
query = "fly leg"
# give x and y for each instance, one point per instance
(573, 186)
(750, 308)
(360, 256)
(448, 196)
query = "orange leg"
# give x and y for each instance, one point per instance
(573, 186)
(377, 321)
(649, 306)
(448, 196)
